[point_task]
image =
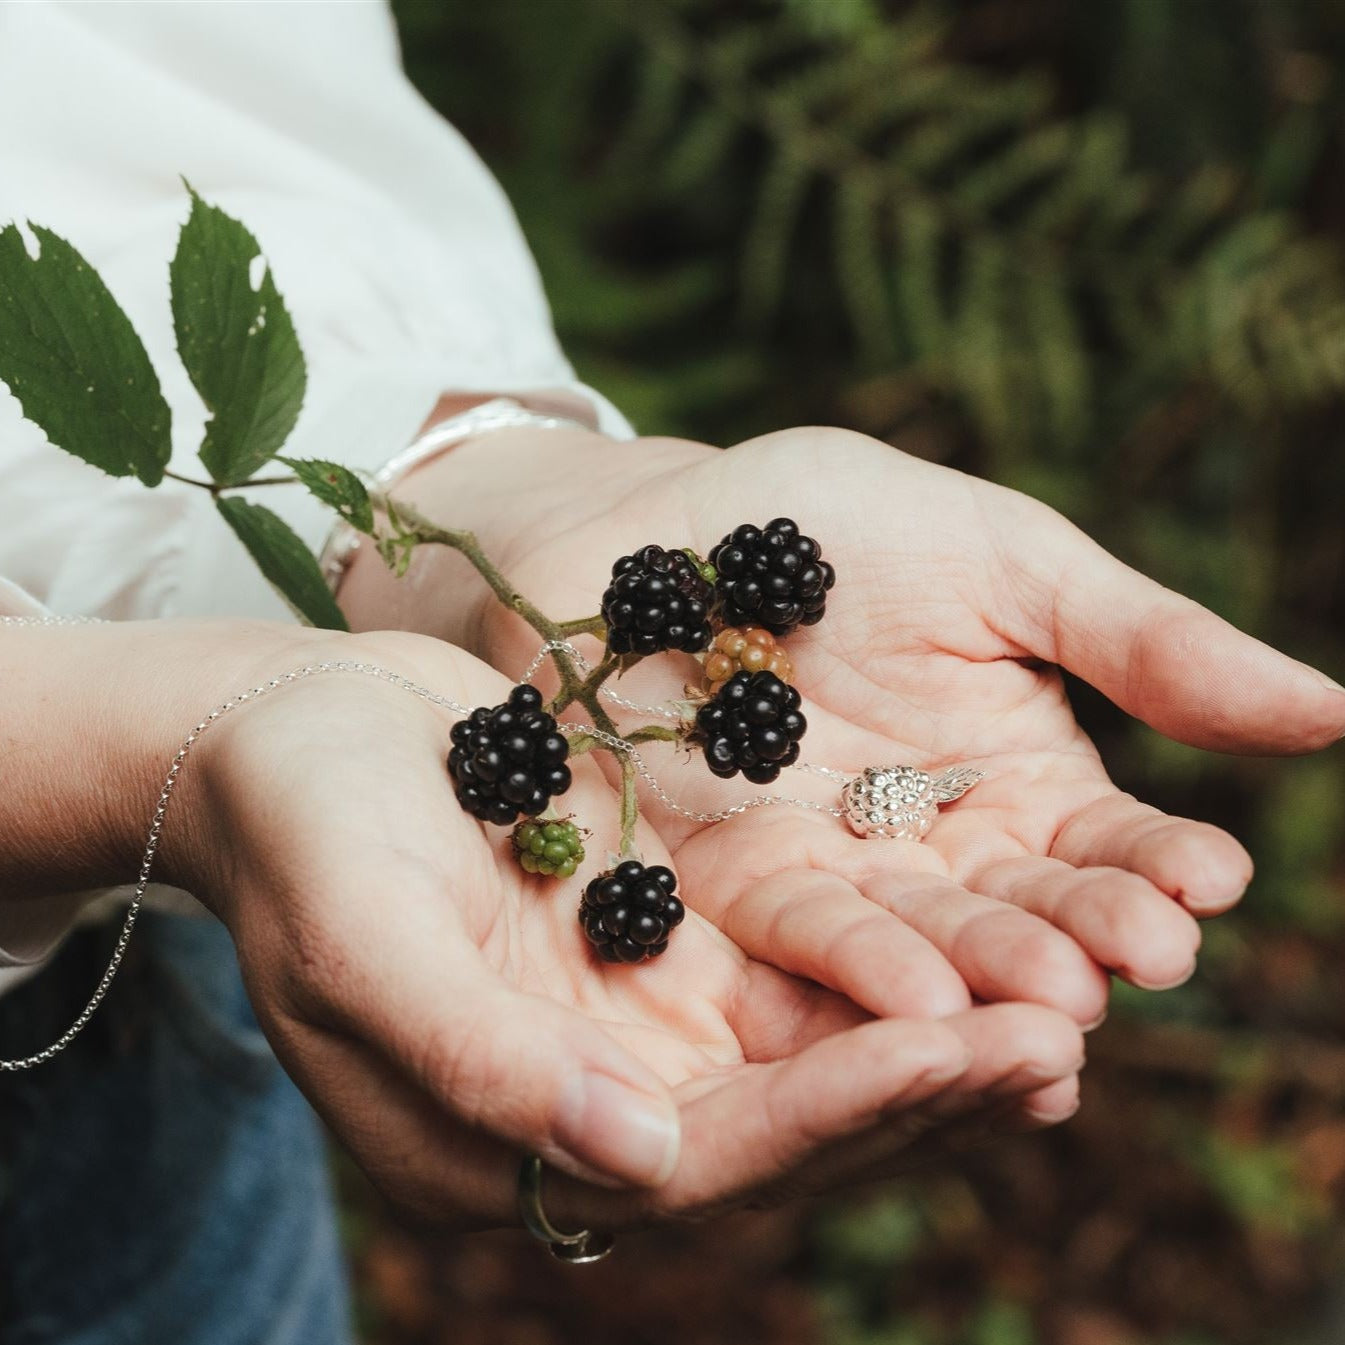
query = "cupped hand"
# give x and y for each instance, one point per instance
(957, 603)
(443, 1011)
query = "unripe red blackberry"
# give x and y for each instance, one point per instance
(745, 649)
(657, 600)
(772, 576)
(629, 912)
(752, 725)
(509, 760)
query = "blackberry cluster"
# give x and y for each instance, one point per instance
(628, 913)
(554, 849)
(773, 577)
(752, 725)
(657, 600)
(509, 760)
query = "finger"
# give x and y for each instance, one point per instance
(1050, 1105)
(750, 1128)
(1201, 866)
(522, 1067)
(1158, 655)
(1119, 919)
(1002, 953)
(434, 1170)
(1023, 1075)
(778, 1015)
(820, 927)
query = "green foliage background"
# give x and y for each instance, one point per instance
(1091, 250)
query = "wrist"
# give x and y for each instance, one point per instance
(94, 716)
(501, 486)
(517, 491)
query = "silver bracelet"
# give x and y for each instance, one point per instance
(501, 413)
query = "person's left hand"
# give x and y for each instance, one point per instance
(955, 600)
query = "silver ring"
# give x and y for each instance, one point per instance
(900, 803)
(578, 1249)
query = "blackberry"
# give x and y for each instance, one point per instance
(553, 849)
(749, 649)
(657, 600)
(772, 576)
(752, 725)
(629, 912)
(508, 760)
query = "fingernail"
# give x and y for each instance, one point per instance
(1052, 1117)
(1328, 683)
(1164, 985)
(617, 1129)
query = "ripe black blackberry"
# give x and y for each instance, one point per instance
(772, 576)
(629, 912)
(753, 725)
(657, 600)
(508, 760)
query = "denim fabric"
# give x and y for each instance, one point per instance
(162, 1182)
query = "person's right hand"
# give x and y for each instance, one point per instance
(444, 1013)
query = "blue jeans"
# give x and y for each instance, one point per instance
(162, 1182)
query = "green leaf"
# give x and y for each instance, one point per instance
(337, 486)
(289, 566)
(73, 360)
(237, 343)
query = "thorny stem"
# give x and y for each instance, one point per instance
(655, 733)
(412, 528)
(218, 488)
(630, 808)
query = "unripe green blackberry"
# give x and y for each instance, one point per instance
(553, 849)
(629, 912)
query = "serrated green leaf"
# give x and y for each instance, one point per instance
(237, 343)
(337, 486)
(289, 566)
(70, 355)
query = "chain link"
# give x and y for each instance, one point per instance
(585, 667)
(616, 744)
(373, 670)
(691, 814)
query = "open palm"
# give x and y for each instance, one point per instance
(443, 1010)
(954, 604)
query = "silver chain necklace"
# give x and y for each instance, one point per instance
(951, 784)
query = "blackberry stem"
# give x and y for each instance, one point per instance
(412, 529)
(412, 526)
(630, 808)
(655, 733)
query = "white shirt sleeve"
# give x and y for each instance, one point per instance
(398, 256)
(400, 260)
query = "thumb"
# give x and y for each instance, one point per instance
(1161, 657)
(529, 1071)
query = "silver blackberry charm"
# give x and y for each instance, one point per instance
(900, 803)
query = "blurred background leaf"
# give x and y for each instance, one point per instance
(1093, 251)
